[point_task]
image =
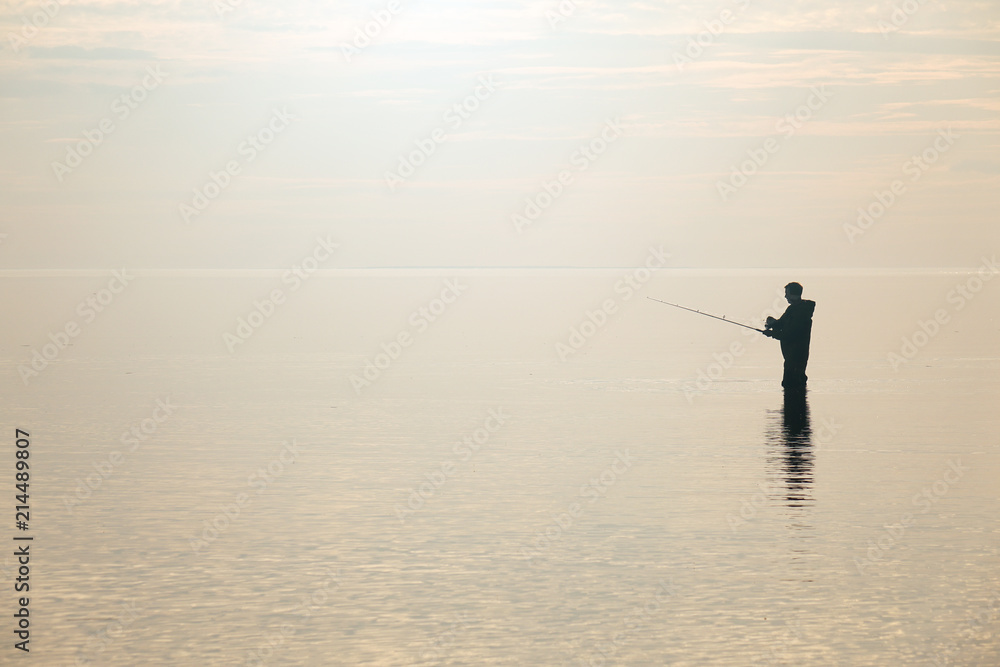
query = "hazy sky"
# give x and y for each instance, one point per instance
(872, 89)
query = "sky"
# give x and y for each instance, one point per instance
(739, 134)
(208, 149)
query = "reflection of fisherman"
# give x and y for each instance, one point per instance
(793, 329)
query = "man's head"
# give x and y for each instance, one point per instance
(793, 292)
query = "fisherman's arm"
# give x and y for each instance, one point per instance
(772, 327)
(793, 324)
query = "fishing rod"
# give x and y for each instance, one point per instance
(723, 318)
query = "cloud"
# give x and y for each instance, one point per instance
(981, 166)
(69, 52)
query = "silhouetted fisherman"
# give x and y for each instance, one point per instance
(793, 329)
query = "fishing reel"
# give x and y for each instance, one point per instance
(769, 327)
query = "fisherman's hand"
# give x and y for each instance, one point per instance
(768, 333)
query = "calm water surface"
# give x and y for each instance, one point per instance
(607, 519)
(612, 512)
